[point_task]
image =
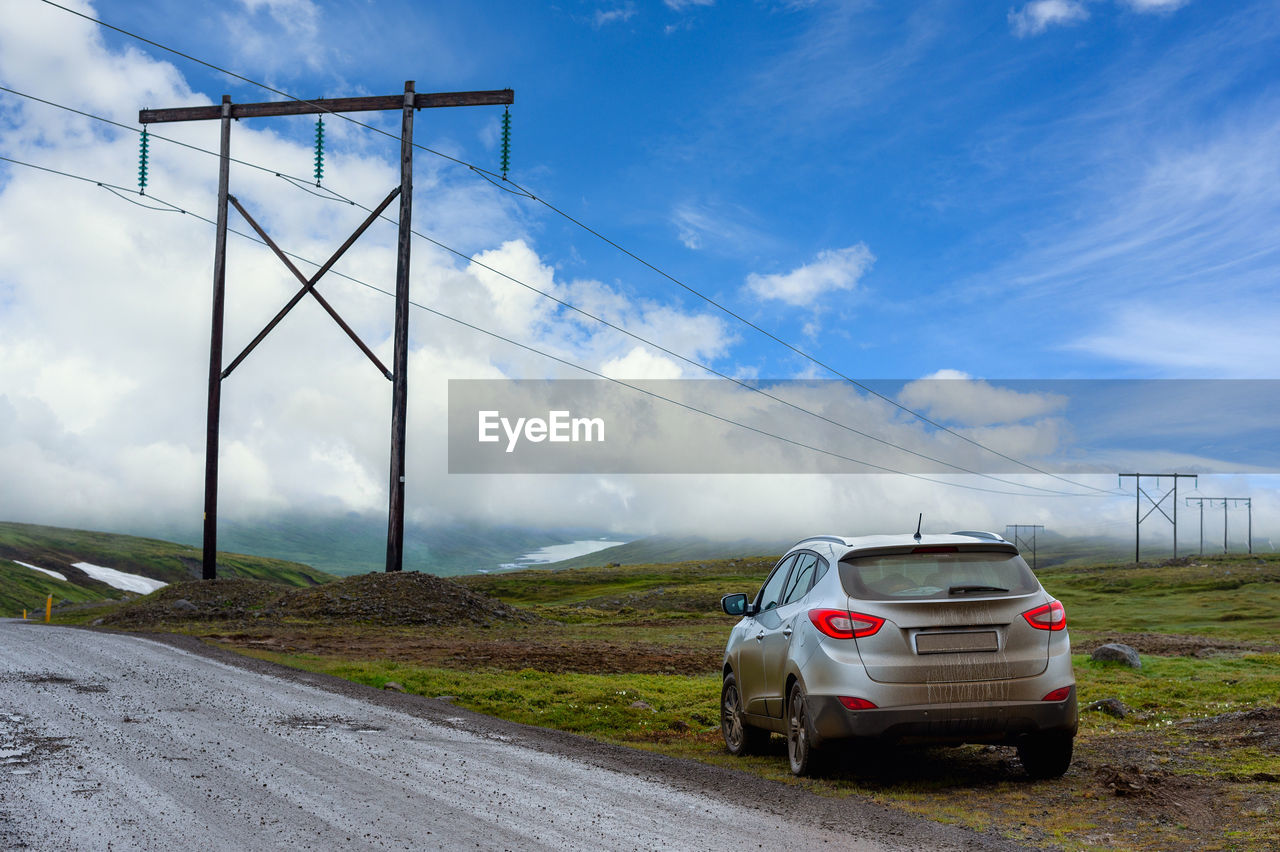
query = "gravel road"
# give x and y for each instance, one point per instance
(111, 741)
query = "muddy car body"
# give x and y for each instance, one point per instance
(936, 639)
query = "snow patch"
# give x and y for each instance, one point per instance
(120, 579)
(53, 574)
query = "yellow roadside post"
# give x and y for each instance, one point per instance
(24, 615)
(48, 609)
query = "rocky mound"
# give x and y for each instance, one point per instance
(198, 600)
(398, 598)
(388, 599)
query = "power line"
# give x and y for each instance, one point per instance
(116, 189)
(333, 195)
(491, 176)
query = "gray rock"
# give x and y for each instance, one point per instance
(1116, 653)
(641, 705)
(1110, 706)
(392, 685)
(96, 622)
(183, 605)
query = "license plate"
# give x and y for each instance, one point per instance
(956, 643)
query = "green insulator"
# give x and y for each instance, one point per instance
(506, 141)
(319, 149)
(142, 163)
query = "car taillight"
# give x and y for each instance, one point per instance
(852, 703)
(1051, 616)
(1058, 694)
(842, 624)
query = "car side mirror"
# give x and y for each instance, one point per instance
(734, 604)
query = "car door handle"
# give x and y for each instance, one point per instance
(760, 636)
(787, 632)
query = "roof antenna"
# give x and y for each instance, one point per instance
(919, 522)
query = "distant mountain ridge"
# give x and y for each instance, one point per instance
(1051, 549)
(57, 549)
(662, 549)
(347, 544)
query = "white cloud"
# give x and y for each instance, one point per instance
(640, 363)
(621, 14)
(1153, 249)
(681, 5)
(831, 271)
(1204, 342)
(277, 35)
(957, 397)
(512, 307)
(1154, 5)
(1037, 16)
(713, 225)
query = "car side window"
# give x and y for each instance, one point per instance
(801, 578)
(820, 571)
(771, 591)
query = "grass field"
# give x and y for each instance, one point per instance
(631, 655)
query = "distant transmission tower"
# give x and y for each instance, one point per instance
(1020, 540)
(1213, 504)
(1139, 493)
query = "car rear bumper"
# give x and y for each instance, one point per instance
(976, 722)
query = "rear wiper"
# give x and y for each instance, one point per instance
(964, 590)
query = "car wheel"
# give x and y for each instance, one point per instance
(740, 737)
(1046, 755)
(800, 748)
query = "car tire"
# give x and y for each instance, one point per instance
(800, 746)
(739, 737)
(1046, 755)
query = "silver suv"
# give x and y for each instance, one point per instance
(932, 639)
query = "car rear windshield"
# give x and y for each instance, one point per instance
(924, 576)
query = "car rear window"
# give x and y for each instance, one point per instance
(925, 576)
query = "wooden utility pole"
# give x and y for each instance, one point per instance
(209, 566)
(400, 354)
(407, 103)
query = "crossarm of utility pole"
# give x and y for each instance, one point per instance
(426, 100)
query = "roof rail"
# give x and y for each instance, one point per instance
(989, 536)
(837, 539)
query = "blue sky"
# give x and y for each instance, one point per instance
(1048, 190)
(1053, 189)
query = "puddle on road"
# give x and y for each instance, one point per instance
(322, 723)
(44, 677)
(22, 748)
(82, 688)
(41, 678)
